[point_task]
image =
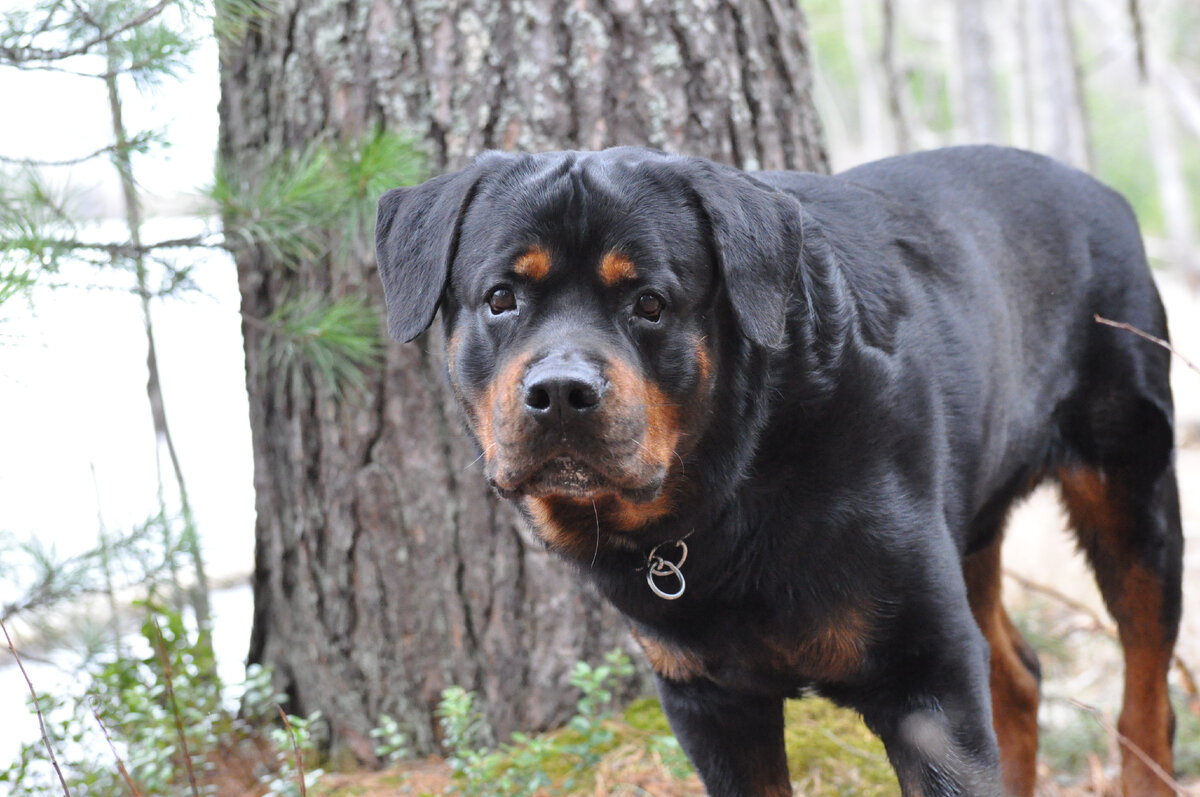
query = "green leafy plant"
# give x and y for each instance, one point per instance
(552, 763)
(391, 743)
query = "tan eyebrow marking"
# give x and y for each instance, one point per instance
(615, 268)
(534, 264)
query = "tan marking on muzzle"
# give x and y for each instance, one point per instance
(661, 413)
(504, 389)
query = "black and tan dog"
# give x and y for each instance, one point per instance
(780, 418)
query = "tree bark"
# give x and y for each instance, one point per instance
(894, 79)
(975, 75)
(385, 570)
(1059, 118)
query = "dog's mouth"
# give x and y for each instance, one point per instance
(566, 476)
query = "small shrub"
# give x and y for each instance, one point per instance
(552, 763)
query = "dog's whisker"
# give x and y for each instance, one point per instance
(481, 456)
(596, 553)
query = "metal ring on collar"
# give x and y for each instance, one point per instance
(662, 568)
(682, 557)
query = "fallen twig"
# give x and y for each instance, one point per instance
(161, 650)
(120, 764)
(36, 707)
(1186, 676)
(1130, 328)
(1128, 744)
(296, 749)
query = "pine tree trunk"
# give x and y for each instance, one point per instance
(385, 571)
(978, 111)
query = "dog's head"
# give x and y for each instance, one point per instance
(585, 296)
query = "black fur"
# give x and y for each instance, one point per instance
(894, 354)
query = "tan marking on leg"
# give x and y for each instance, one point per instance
(1100, 512)
(534, 264)
(1015, 690)
(616, 268)
(671, 662)
(1146, 715)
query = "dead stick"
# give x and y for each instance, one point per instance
(1130, 328)
(1129, 745)
(38, 708)
(1185, 671)
(111, 746)
(161, 650)
(296, 750)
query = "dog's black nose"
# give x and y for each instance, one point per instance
(564, 386)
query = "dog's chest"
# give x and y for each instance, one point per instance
(743, 652)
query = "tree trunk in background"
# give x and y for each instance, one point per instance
(870, 97)
(895, 79)
(385, 570)
(977, 109)
(1059, 120)
(1173, 192)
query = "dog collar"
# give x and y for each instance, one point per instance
(660, 567)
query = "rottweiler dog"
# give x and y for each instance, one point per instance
(779, 419)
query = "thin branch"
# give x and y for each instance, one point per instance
(1139, 38)
(22, 55)
(66, 162)
(296, 750)
(892, 78)
(120, 764)
(1129, 745)
(161, 650)
(38, 708)
(1165, 344)
(1186, 675)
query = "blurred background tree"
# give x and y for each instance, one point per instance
(1110, 86)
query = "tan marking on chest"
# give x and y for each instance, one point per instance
(671, 662)
(834, 651)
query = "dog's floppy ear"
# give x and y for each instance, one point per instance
(416, 232)
(758, 235)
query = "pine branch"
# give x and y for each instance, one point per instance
(138, 143)
(23, 55)
(75, 577)
(338, 341)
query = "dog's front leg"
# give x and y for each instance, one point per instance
(935, 720)
(735, 740)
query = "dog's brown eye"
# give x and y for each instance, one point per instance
(502, 300)
(648, 306)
